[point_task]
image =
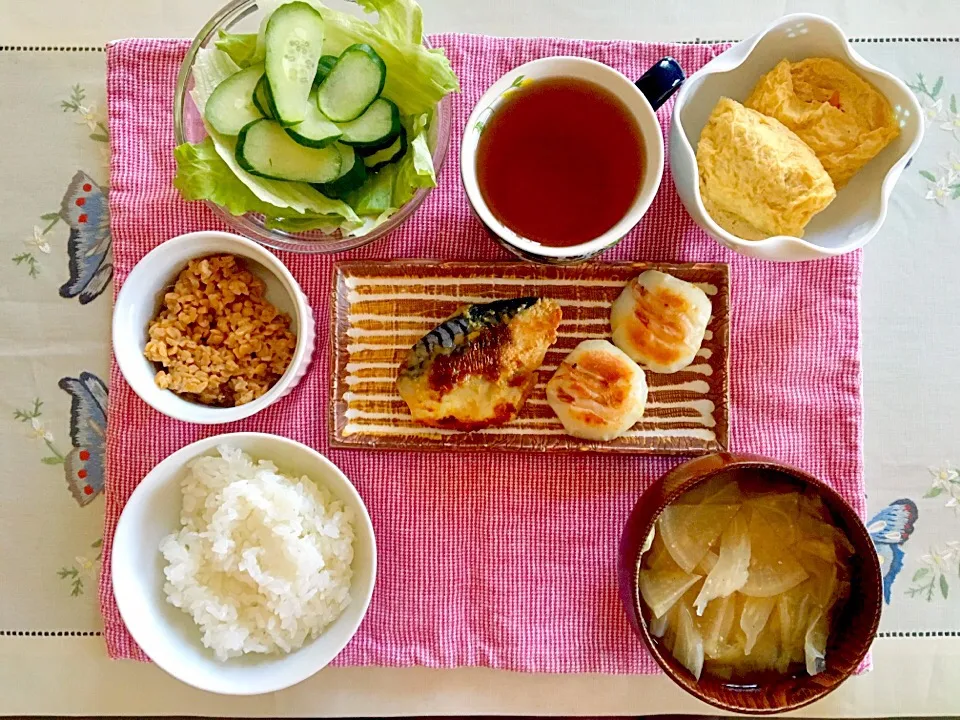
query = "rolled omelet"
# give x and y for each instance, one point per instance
(660, 320)
(844, 119)
(757, 178)
(597, 392)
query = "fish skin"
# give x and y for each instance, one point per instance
(458, 328)
(477, 368)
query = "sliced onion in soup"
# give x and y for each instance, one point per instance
(689, 530)
(661, 589)
(730, 572)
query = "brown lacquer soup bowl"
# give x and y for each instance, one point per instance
(852, 630)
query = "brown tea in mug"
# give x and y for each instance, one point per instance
(560, 161)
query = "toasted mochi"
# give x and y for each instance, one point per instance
(757, 178)
(659, 321)
(844, 119)
(597, 392)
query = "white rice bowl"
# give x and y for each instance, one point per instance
(262, 562)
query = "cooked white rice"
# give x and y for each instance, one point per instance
(263, 561)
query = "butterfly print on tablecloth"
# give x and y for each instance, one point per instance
(890, 529)
(84, 208)
(84, 465)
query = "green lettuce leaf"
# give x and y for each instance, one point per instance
(417, 79)
(203, 175)
(415, 169)
(400, 20)
(323, 223)
(242, 48)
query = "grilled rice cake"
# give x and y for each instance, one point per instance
(757, 178)
(598, 392)
(660, 320)
(477, 368)
(844, 119)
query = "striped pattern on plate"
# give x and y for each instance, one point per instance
(382, 309)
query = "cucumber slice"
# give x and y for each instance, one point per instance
(263, 99)
(353, 173)
(349, 159)
(354, 83)
(230, 105)
(376, 129)
(375, 196)
(293, 39)
(323, 68)
(395, 151)
(265, 149)
(316, 130)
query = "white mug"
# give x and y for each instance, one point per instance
(641, 98)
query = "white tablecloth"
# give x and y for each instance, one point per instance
(51, 655)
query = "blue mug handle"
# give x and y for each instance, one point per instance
(661, 81)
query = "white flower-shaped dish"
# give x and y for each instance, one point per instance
(858, 211)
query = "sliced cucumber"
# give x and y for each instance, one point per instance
(375, 196)
(316, 130)
(265, 149)
(263, 99)
(376, 129)
(293, 39)
(230, 105)
(323, 68)
(353, 84)
(349, 156)
(353, 173)
(393, 152)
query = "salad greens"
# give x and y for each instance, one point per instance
(416, 80)
(203, 175)
(212, 67)
(377, 196)
(400, 21)
(242, 49)
(415, 169)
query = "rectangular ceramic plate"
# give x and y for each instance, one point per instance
(382, 308)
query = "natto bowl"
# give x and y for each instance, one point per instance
(142, 297)
(853, 629)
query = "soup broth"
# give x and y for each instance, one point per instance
(560, 161)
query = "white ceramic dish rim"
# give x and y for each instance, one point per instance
(733, 58)
(156, 478)
(194, 412)
(491, 98)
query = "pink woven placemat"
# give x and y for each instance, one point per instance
(498, 560)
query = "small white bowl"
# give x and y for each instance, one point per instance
(858, 211)
(141, 297)
(166, 633)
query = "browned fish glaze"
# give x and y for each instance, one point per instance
(478, 368)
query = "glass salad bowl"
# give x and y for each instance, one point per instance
(244, 16)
